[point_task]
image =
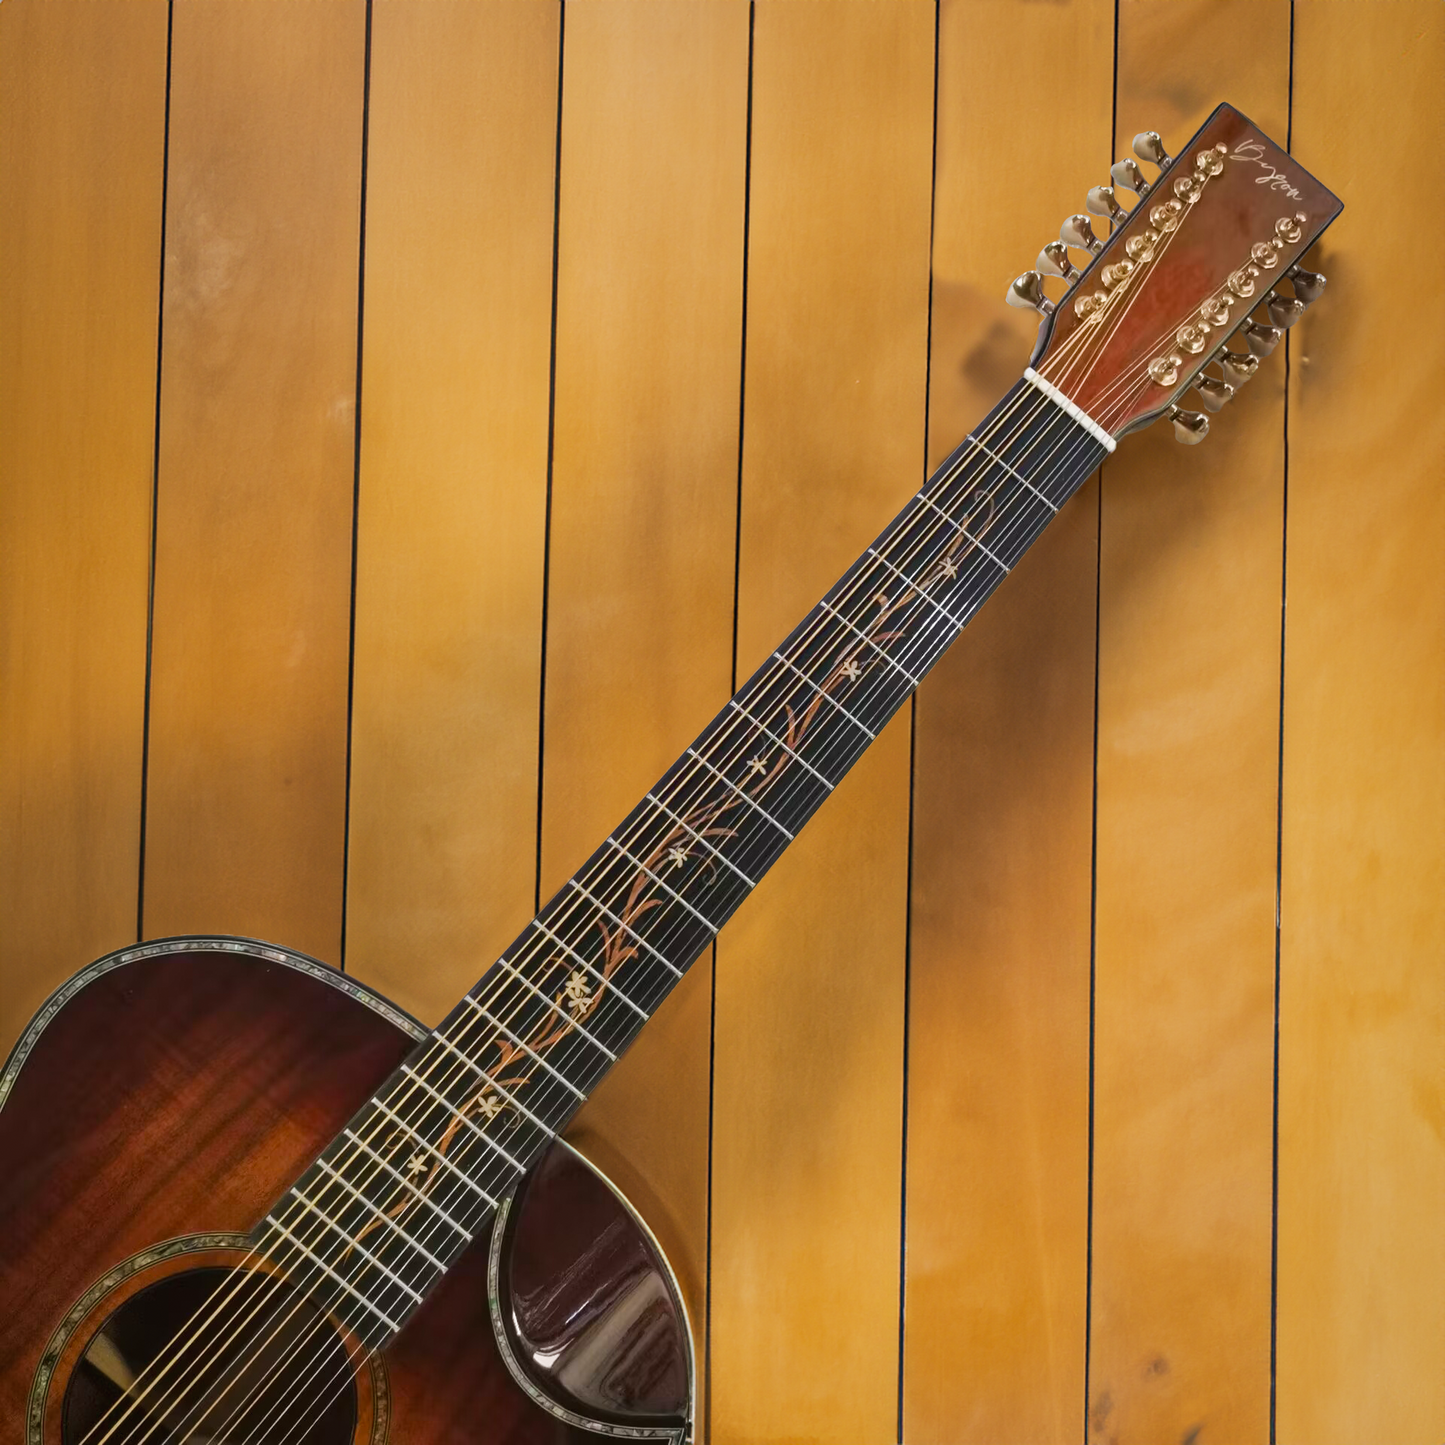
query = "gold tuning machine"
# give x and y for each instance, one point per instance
(1284, 311)
(1028, 291)
(1148, 147)
(1237, 367)
(1078, 233)
(1307, 284)
(1102, 201)
(1190, 427)
(1127, 176)
(1212, 394)
(1261, 339)
(1054, 261)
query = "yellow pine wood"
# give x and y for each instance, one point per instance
(644, 507)
(1188, 757)
(807, 1086)
(1362, 1008)
(999, 1021)
(460, 204)
(82, 136)
(247, 769)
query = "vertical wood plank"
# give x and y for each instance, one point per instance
(998, 1065)
(247, 766)
(1362, 1003)
(452, 502)
(644, 501)
(82, 147)
(1188, 758)
(806, 1131)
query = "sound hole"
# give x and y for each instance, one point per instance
(213, 1355)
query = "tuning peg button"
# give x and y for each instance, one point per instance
(1127, 176)
(1148, 147)
(1190, 427)
(1078, 233)
(1237, 368)
(1212, 394)
(1307, 284)
(1102, 202)
(1027, 292)
(1284, 311)
(1054, 261)
(1261, 339)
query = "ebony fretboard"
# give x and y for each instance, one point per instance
(377, 1219)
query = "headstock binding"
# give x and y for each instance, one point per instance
(1181, 273)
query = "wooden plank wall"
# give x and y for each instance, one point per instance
(416, 414)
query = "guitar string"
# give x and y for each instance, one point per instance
(945, 481)
(473, 1064)
(483, 1072)
(955, 629)
(919, 593)
(913, 584)
(300, 1387)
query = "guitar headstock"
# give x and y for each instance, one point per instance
(1207, 255)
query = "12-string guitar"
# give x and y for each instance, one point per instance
(245, 1199)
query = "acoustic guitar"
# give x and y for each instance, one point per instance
(245, 1199)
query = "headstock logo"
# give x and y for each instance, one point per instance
(1252, 153)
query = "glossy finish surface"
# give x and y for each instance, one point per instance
(592, 1315)
(194, 1086)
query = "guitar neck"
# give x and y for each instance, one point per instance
(427, 1158)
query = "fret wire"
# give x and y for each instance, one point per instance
(746, 797)
(829, 696)
(561, 1014)
(436, 1154)
(401, 1179)
(600, 977)
(943, 612)
(353, 1243)
(1016, 473)
(982, 546)
(642, 867)
(917, 639)
(381, 1215)
(682, 823)
(626, 928)
(526, 1048)
(461, 1118)
(882, 652)
(481, 1073)
(325, 1268)
(767, 733)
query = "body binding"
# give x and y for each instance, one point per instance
(168, 1094)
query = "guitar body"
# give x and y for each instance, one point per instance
(154, 1111)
